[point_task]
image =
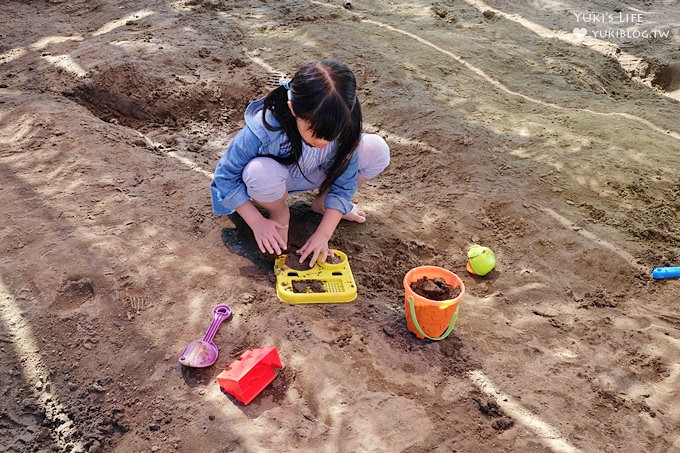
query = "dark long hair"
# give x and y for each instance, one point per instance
(324, 94)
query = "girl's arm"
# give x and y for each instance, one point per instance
(229, 192)
(337, 203)
(317, 244)
(265, 230)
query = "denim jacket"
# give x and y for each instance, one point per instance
(229, 190)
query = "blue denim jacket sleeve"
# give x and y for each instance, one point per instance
(342, 190)
(227, 188)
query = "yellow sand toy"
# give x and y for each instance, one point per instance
(324, 283)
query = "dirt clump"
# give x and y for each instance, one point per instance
(293, 262)
(334, 259)
(435, 289)
(308, 286)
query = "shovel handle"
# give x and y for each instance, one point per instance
(666, 272)
(220, 313)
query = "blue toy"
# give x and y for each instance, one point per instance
(666, 272)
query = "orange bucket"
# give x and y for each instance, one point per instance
(433, 319)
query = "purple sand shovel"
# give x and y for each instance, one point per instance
(203, 353)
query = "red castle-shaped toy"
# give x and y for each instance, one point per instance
(250, 374)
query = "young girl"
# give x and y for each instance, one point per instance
(305, 135)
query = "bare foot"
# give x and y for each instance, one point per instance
(355, 215)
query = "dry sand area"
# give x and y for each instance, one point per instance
(559, 151)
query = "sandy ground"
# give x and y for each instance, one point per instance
(560, 152)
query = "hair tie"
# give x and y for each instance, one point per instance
(286, 84)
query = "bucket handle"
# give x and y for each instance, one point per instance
(454, 318)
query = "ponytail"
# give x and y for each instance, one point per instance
(277, 103)
(346, 144)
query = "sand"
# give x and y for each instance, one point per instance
(559, 152)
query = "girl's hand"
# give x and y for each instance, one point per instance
(268, 237)
(316, 245)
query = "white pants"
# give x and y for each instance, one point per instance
(267, 180)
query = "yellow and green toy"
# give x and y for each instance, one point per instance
(481, 260)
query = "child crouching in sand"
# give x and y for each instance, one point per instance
(304, 135)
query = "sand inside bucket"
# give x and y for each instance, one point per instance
(435, 289)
